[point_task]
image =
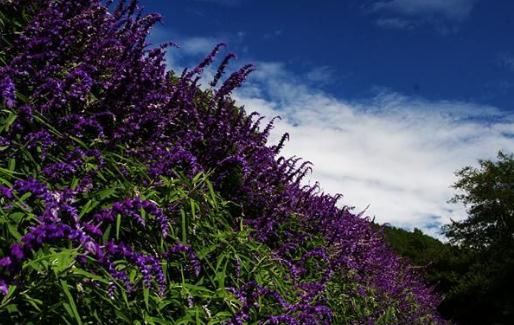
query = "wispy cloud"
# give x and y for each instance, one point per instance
(443, 15)
(197, 45)
(395, 153)
(223, 2)
(273, 34)
(451, 9)
(189, 50)
(507, 60)
(321, 75)
(394, 23)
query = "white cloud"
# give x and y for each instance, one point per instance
(507, 60)
(223, 2)
(194, 48)
(188, 48)
(395, 153)
(189, 51)
(451, 9)
(322, 74)
(272, 35)
(394, 23)
(198, 45)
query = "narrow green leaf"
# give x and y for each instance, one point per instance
(12, 164)
(7, 298)
(73, 307)
(13, 230)
(146, 293)
(118, 225)
(107, 233)
(183, 225)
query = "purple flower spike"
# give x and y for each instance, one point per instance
(7, 91)
(191, 255)
(90, 73)
(283, 319)
(5, 261)
(80, 84)
(17, 252)
(5, 192)
(4, 288)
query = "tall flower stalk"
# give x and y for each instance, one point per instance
(85, 99)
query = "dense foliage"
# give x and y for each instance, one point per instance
(473, 272)
(487, 235)
(130, 195)
(441, 263)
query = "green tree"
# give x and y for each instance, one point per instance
(484, 293)
(440, 263)
(488, 193)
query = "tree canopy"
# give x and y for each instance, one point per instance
(484, 293)
(488, 194)
(474, 270)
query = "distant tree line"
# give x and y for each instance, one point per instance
(474, 271)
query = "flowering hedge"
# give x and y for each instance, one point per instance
(130, 195)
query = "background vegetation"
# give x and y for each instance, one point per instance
(474, 271)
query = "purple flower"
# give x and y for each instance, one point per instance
(4, 142)
(5, 261)
(42, 138)
(153, 209)
(221, 69)
(4, 288)
(17, 252)
(131, 208)
(81, 126)
(234, 81)
(5, 192)
(194, 262)
(80, 84)
(206, 62)
(89, 73)
(149, 266)
(7, 91)
(93, 229)
(60, 170)
(282, 319)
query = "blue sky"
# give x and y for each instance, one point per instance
(409, 46)
(386, 98)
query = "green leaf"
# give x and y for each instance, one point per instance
(72, 307)
(7, 298)
(118, 225)
(107, 193)
(11, 117)
(146, 293)
(13, 230)
(214, 201)
(24, 197)
(107, 233)
(79, 271)
(184, 226)
(12, 164)
(88, 207)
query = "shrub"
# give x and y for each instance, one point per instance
(130, 195)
